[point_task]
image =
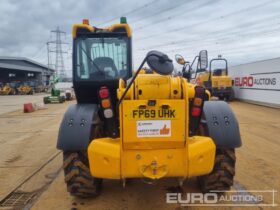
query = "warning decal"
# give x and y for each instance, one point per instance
(154, 128)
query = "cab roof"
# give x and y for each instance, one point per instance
(85, 27)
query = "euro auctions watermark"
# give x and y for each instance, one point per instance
(224, 198)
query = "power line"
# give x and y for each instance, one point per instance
(160, 13)
(197, 48)
(129, 12)
(39, 50)
(192, 9)
(209, 20)
(223, 49)
(217, 36)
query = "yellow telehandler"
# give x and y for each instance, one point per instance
(148, 125)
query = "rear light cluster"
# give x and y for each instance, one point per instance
(105, 101)
(198, 101)
(196, 109)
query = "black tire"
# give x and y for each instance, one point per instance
(46, 100)
(77, 175)
(68, 96)
(221, 178)
(222, 175)
(231, 95)
(61, 99)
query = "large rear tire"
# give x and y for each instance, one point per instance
(222, 175)
(221, 178)
(77, 175)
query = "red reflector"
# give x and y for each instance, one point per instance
(104, 93)
(196, 111)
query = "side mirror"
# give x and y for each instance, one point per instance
(203, 59)
(159, 62)
(180, 59)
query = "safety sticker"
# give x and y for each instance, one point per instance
(154, 128)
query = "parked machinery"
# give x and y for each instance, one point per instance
(25, 89)
(37, 86)
(219, 82)
(8, 89)
(69, 95)
(55, 96)
(144, 125)
(216, 80)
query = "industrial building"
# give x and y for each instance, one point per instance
(258, 82)
(23, 69)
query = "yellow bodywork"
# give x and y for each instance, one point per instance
(109, 160)
(112, 28)
(222, 81)
(7, 90)
(25, 89)
(154, 140)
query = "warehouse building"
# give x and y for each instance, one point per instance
(258, 82)
(23, 69)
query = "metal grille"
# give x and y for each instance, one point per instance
(17, 199)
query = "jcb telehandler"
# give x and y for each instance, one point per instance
(140, 125)
(216, 80)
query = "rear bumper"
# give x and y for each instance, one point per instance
(108, 160)
(221, 91)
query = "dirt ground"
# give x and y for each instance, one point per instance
(15, 102)
(31, 176)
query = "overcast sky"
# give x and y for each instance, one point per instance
(241, 30)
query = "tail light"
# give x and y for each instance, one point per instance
(103, 92)
(105, 101)
(196, 111)
(197, 102)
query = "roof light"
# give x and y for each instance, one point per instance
(123, 20)
(86, 21)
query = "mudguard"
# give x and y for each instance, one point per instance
(76, 127)
(222, 124)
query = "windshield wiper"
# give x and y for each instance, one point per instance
(98, 69)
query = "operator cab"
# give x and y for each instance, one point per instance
(201, 60)
(100, 58)
(219, 66)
